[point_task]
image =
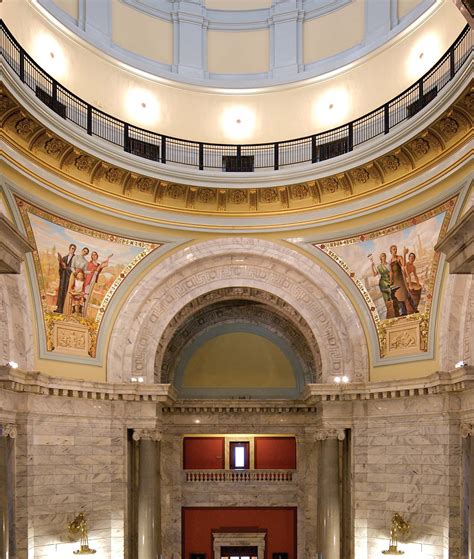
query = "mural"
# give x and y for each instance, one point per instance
(395, 270)
(78, 271)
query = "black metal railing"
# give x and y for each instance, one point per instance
(230, 157)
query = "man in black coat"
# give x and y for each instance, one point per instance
(64, 275)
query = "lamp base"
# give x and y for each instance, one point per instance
(85, 550)
(392, 550)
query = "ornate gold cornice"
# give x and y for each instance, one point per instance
(439, 139)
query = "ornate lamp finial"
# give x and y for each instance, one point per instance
(79, 526)
(399, 526)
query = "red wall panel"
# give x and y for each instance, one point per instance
(275, 453)
(203, 453)
(279, 524)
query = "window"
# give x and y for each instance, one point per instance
(239, 455)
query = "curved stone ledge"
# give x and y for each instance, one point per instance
(393, 168)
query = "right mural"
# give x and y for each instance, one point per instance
(395, 270)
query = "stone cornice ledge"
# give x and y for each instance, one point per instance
(437, 383)
(39, 383)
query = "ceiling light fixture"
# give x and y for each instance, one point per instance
(13, 364)
(142, 106)
(331, 107)
(49, 54)
(238, 122)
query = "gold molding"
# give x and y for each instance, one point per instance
(441, 138)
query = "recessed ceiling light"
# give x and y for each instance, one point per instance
(197, 421)
(238, 122)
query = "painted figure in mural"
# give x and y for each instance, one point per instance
(65, 269)
(398, 278)
(79, 261)
(75, 294)
(92, 273)
(383, 271)
(414, 284)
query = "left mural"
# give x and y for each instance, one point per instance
(78, 270)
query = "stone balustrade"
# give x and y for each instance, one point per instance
(239, 476)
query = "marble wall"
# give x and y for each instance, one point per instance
(71, 455)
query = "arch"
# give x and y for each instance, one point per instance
(223, 306)
(455, 329)
(237, 262)
(16, 321)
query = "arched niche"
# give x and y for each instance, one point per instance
(241, 263)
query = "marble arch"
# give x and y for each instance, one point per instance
(237, 305)
(237, 262)
(16, 336)
(456, 340)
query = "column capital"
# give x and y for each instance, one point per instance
(146, 435)
(467, 430)
(329, 433)
(8, 430)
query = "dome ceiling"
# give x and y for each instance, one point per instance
(235, 43)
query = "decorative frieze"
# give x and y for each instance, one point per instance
(397, 165)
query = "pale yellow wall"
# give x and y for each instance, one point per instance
(141, 33)
(238, 52)
(197, 113)
(237, 4)
(236, 360)
(404, 7)
(71, 7)
(336, 32)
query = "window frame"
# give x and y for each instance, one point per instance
(239, 444)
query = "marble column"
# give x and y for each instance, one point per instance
(329, 498)
(148, 499)
(467, 432)
(6, 431)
